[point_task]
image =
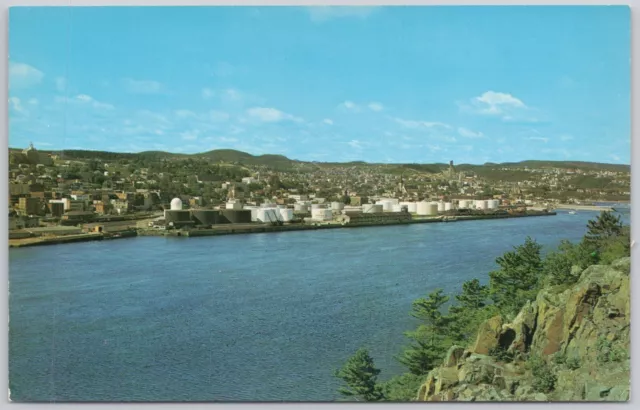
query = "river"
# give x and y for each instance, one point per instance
(253, 317)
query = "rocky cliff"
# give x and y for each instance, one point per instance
(570, 344)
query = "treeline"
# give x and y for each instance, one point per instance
(521, 273)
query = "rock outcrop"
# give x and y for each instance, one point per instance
(581, 333)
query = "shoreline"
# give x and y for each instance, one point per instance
(232, 229)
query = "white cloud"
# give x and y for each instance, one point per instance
(543, 139)
(328, 121)
(467, 133)
(495, 99)
(614, 157)
(350, 106)
(207, 93)
(16, 105)
(420, 124)
(566, 137)
(466, 147)
(265, 114)
(223, 69)
(218, 116)
(142, 86)
(320, 14)
(190, 135)
(434, 148)
(87, 99)
(355, 144)
(185, 114)
(232, 94)
(23, 75)
(33, 101)
(374, 106)
(61, 84)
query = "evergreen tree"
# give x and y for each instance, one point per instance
(518, 278)
(360, 376)
(474, 295)
(605, 226)
(429, 310)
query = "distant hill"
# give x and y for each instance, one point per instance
(280, 162)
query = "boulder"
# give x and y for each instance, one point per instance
(619, 393)
(523, 327)
(594, 391)
(488, 335)
(446, 377)
(622, 265)
(454, 354)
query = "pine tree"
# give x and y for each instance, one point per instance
(360, 376)
(518, 277)
(474, 295)
(605, 226)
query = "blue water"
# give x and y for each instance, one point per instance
(248, 317)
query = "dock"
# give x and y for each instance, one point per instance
(585, 207)
(249, 228)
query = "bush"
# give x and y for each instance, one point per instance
(501, 354)
(544, 380)
(573, 362)
(559, 358)
(402, 388)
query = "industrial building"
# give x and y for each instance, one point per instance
(375, 218)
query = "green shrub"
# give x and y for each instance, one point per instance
(544, 380)
(573, 362)
(559, 358)
(501, 354)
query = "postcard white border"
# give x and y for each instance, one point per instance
(635, 194)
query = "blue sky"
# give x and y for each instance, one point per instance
(379, 84)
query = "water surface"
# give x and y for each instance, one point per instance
(245, 317)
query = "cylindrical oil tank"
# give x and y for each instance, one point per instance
(205, 216)
(433, 208)
(337, 206)
(352, 210)
(299, 207)
(176, 204)
(481, 204)
(396, 208)
(377, 208)
(177, 215)
(368, 208)
(268, 215)
(492, 204)
(254, 212)
(286, 214)
(236, 216)
(321, 214)
(448, 206)
(413, 207)
(464, 204)
(440, 206)
(422, 208)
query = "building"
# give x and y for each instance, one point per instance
(77, 217)
(375, 218)
(56, 209)
(30, 206)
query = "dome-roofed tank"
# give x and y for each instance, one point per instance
(176, 204)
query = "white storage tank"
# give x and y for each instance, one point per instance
(352, 210)
(492, 204)
(176, 204)
(316, 206)
(267, 215)
(432, 209)
(286, 214)
(397, 208)
(337, 206)
(378, 208)
(481, 204)
(422, 208)
(448, 206)
(321, 214)
(387, 205)
(413, 207)
(254, 212)
(368, 208)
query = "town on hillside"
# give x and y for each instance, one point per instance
(75, 193)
